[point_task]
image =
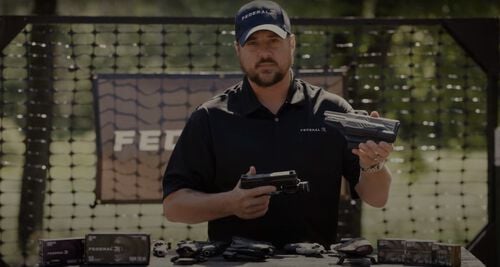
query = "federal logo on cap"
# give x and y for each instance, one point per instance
(261, 15)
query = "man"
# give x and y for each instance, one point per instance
(269, 122)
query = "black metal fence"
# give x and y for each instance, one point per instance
(439, 77)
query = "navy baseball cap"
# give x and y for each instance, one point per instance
(261, 15)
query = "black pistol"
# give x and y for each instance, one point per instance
(285, 182)
(359, 128)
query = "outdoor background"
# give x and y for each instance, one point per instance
(417, 74)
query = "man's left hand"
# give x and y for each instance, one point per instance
(371, 153)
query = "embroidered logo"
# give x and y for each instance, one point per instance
(257, 12)
(312, 130)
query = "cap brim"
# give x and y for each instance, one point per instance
(269, 27)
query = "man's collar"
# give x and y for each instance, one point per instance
(296, 93)
(250, 102)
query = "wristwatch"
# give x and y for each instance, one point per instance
(374, 168)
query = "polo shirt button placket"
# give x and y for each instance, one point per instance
(276, 119)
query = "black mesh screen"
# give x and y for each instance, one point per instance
(414, 73)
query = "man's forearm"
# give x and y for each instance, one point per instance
(190, 206)
(373, 188)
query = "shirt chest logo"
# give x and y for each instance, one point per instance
(313, 130)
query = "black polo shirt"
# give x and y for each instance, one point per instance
(233, 131)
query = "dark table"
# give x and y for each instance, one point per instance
(468, 260)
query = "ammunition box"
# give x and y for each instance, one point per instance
(391, 250)
(418, 252)
(61, 251)
(117, 248)
(448, 255)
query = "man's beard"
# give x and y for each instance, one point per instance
(254, 76)
(277, 77)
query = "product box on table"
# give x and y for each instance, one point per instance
(448, 255)
(418, 252)
(391, 250)
(117, 248)
(61, 251)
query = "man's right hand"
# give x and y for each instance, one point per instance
(251, 203)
